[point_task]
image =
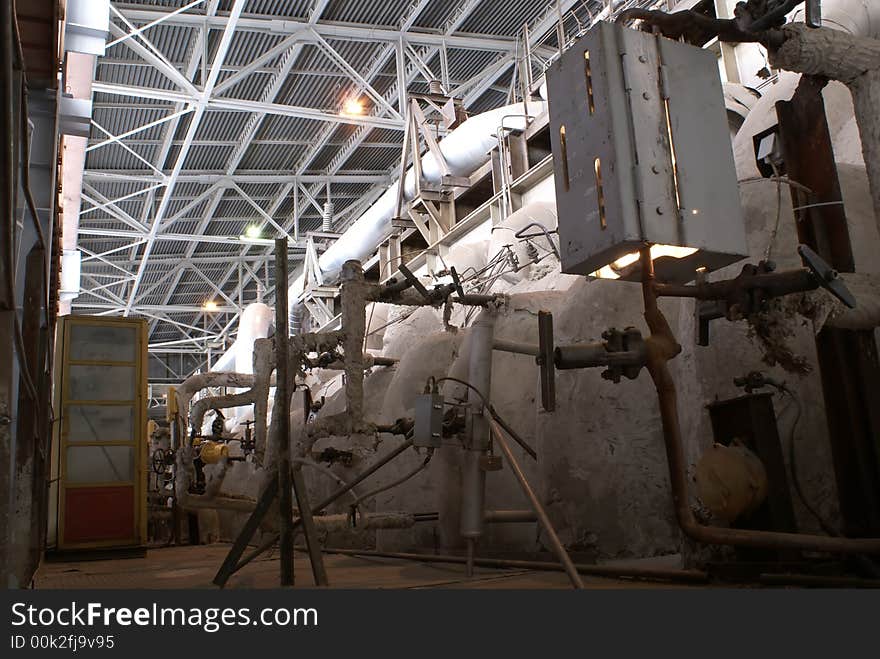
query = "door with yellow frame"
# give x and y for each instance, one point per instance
(100, 444)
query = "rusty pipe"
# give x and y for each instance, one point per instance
(662, 347)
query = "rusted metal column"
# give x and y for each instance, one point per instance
(7, 274)
(848, 360)
(282, 410)
(32, 445)
(354, 324)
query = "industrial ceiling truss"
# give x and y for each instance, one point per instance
(219, 125)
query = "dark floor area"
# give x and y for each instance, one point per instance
(195, 566)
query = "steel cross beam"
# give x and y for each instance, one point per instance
(194, 57)
(335, 31)
(379, 62)
(242, 105)
(222, 50)
(273, 88)
(227, 180)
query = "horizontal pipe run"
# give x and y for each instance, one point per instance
(591, 355)
(775, 284)
(509, 516)
(817, 581)
(516, 347)
(608, 571)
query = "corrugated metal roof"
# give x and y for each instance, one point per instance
(229, 142)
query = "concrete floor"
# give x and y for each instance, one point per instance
(195, 566)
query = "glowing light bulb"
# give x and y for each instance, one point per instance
(353, 106)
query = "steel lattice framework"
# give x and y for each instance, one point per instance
(210, 116)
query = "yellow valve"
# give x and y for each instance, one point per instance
(212, 452)
(171, 404)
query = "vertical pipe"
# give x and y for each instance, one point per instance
(296, 211)
(8, 314)
(848, 362)
(555, 542)
(354, 324)
(282, 410)
(560, 27)
(474, 478)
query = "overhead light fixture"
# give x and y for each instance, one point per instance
(353, 106)
(210, 305)
(253, 231)
(626, 264)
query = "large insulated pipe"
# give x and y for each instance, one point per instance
(255, 321)
(465, 149)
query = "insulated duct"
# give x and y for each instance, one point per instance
(254, 324)
(465, 149)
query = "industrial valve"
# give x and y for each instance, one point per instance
(749, 292)
(623, 352)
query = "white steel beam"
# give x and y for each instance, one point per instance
(222, 49)
(270, 93)
(161, 19)
(336, 31)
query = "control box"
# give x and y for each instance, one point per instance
(642, 153)
(428, 428)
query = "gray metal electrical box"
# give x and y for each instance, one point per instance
(642, 153)
(428, 428)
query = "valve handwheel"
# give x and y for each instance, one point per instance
(158, 461)
(826, 276)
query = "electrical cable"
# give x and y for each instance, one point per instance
(792, 459)
(775, 231)
(494, 414)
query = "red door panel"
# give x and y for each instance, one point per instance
(95, 514)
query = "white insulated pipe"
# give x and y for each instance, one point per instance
(465, 149)
(860, 18)
(254, 324)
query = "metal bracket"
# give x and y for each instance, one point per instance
(545, 360)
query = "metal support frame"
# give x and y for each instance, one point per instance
(415, 52)
(432, 210)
